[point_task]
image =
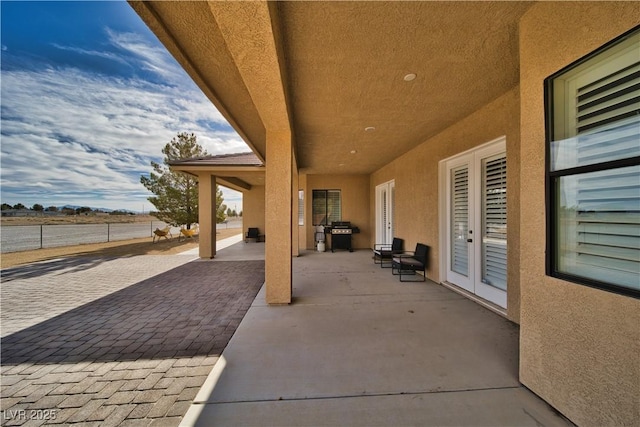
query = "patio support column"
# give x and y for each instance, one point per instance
(278, 201)
(207, 215)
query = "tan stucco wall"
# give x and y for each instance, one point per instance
(579, 347)
(416, 184)
(355, 205)
(253, 208)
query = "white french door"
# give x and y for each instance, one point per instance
(476, 222)
(385, 194)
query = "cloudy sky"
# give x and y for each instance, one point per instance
(89, 97)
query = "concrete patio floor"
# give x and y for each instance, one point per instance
(359, 348)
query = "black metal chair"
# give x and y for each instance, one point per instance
(253, 233)
(410, 263)
(385, 251)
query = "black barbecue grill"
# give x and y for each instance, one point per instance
(341, 232)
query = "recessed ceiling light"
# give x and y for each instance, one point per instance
(409, 77)
(354, 151)
(369, 129)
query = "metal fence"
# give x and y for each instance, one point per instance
(17, 238)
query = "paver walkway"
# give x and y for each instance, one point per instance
(116, 348)
(33, 293)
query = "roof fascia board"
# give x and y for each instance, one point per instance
(217, 168)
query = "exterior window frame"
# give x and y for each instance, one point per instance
(326, 192)
(551, 178)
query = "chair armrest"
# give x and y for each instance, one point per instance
(382, 246)
(405, 254)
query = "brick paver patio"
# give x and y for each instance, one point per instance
(117, 352)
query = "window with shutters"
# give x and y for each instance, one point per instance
(326, 205)
(593, 178)
(300, 207)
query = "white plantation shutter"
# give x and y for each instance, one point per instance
(494, 222)
(460, 220)
(608, 226)
(611, 98)
(300, 207)
(598, 214)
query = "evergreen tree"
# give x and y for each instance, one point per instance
(176, 194)
(220, 213)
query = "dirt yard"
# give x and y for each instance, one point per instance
(75, 219)
(122, 248)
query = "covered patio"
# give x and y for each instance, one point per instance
(357, 347)
(437, 123)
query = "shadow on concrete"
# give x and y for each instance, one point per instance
(56, 266)
(191, 310)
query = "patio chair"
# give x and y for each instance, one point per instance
(188, 233)
(410, 263)
(385, 251)
(253, 233)
(164, 232)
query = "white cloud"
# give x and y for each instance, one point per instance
(102, 54)
(153, 58)
(69, 136)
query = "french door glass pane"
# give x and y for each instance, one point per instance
(385, 220)
(494, 221)
(391, 219)
(460, 220)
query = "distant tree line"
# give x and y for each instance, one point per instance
(231, 213)
(65, 210)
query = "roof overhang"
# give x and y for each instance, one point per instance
(330, 70)
(240, 171)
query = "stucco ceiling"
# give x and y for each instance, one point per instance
(347, 61)
(341, 66)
